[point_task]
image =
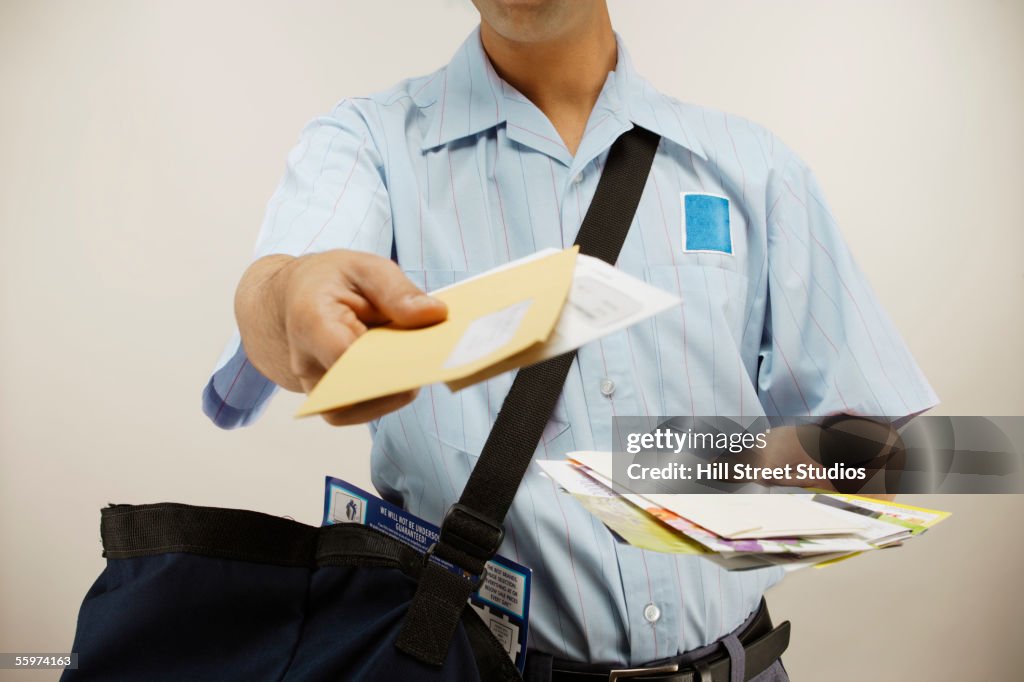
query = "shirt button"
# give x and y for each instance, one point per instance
(578, 179)
(607, 387)
(652, 613)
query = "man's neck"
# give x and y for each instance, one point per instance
(563, 78)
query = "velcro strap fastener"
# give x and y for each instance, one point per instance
(434, 613)
(468, 539)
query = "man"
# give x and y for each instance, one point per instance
(496, 156)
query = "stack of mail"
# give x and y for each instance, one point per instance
(740, 531)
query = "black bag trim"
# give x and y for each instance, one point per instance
(130, 531)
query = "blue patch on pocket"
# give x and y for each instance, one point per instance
(706, 223)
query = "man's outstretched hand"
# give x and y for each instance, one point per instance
(297, 316)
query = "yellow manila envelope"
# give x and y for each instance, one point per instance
(490, 318)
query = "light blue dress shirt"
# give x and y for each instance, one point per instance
(456, 172)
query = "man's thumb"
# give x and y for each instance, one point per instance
(417, 309)
(399, 300)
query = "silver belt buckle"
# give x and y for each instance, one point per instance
(642, 672)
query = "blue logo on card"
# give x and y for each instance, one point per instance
(706, 223)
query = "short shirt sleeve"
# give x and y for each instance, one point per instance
(333, 196)
(828, 346)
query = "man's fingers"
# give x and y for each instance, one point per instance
(332, 338)
(371, 409)
(317, 338)
(322, 303)
(308, 383)
(392, 293)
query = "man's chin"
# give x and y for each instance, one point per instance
(528, 21)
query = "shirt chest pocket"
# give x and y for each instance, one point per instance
(461, 421)
(464, 419)
(714, 298)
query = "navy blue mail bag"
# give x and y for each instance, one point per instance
(199, 593)
(202, 593)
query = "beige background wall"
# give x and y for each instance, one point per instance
(140, 140)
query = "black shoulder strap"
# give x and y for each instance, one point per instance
(472, 530)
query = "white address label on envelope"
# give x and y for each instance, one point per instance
(487, 334)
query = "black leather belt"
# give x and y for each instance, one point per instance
(762, 644)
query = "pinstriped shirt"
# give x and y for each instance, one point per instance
(456, 172)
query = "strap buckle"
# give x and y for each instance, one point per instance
(623, 673)
(480, 579)
(484, 536)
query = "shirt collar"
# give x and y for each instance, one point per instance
(468, 97)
